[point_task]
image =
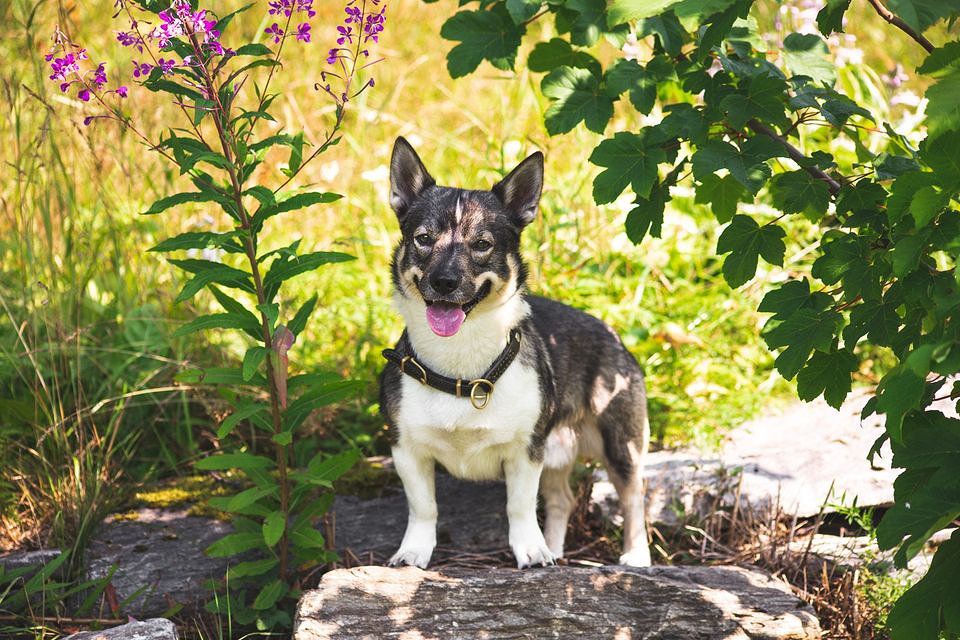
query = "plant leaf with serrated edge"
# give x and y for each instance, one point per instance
(324, 470)
(273, 527)
(830, 18)
(899, 392)
(483, 35)
(557, 52)
(722, 194)
(621, 11)
(761, 97)
(630, 161)
(306, 537)
(647, 215)
(180, 198)
(829, 374)
(801, 332)
(926, 204)
(200, 240)
(746, 241)
(225, 461)
(628, 76)
(577, 97)
(917, 613)
(806, 54)
(717, 154)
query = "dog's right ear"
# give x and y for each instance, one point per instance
(408, 177)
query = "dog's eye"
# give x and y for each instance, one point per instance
(482, 245)
(424, 240)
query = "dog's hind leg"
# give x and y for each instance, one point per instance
(558, 502)
(417, 474)
(625, 437)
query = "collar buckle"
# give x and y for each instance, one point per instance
(480, 397)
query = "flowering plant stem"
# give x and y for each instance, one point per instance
(275, 518)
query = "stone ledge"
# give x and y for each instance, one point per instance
(564, 602)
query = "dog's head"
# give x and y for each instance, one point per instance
(460, 248)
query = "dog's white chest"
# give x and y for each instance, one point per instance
(471, 443)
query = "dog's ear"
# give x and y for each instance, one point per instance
(408, 177)
(520, 190)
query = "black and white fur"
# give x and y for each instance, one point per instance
(573, 389)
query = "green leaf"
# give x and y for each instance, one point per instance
(917, 614)
(234, 544)
(213, 321)
(269, 595)
(272, 311)
(273, 527)
(942, 61)
(621, 11)
(483, 35)
(242, 461)
(171, 87)
(877, 320)
(523, 10)
(628, 75)
(670, 34)
(839, 109)
(801, 332)
(586, 22)
(557, 52)
(806, 54)
(941, 154)
(215, 375)
(254, 49)
(283, 438)
(180, 198)
(251, 568)
(918, 516)
(230, 305)
(647, 215)
(324, 470)
(830, 18)
(903, 190)
(829, 374)
(761, 97)
(282, 270)
(844, 258)
(245, 498)
(746, 241)
(230, 422)
(304, 536)
(252, 360)
(800, 192)
(723, 195)
(299, 321)
(717, 154)
(200, 240)
(898, 393)
(315, 397)
(787, 298)
(577, 97)
(927, 203)
(906, 253)
(921, 14)
(630, 160)
(292, 203)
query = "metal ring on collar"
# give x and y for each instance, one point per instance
(478, 396)
(412, 360)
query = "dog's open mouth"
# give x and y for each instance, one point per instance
(446, 318)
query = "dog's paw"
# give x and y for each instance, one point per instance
(413, 556)
(636, 558)
(531, 549)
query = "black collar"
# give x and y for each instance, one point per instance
(477, 390)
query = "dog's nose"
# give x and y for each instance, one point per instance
(445, 283)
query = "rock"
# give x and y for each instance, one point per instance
(472, 517)
(560, 602)
(18, 559)
(800, 457)
(160, 555)
(153, 629)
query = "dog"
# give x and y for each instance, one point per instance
(493, 382)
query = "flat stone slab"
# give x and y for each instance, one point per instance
(689, 603)
(160, 555)
(153, 629)
(18, 559)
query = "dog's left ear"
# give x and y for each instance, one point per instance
(520, 190)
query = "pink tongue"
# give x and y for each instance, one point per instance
(444, 318)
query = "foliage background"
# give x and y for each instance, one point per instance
(87, 314)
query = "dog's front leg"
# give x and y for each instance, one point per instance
(526, 539)
(417, 475)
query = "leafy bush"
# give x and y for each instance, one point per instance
(744, 120)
